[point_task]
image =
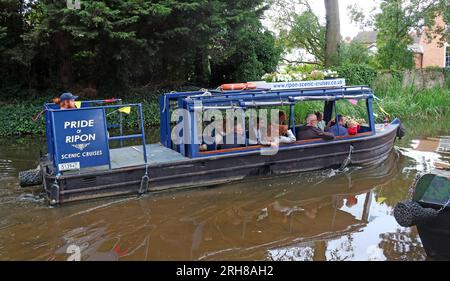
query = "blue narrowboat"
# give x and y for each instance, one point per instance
(91, 155)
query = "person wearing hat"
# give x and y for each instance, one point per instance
(66, 101)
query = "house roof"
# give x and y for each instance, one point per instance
(370, 38)
(366, 37)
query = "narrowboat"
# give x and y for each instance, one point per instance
(90, 155)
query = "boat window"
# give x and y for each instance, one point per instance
(353, 110)
(355, 114)
(302, 109)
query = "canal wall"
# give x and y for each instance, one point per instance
(419, 79)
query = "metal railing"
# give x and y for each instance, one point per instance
(92, 114)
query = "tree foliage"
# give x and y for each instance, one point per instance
(353, 53)
(118, 44)
(395, 24)
(308, 34)
(300, 28)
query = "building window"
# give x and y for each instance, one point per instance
(447, 56)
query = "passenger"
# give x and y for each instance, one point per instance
(256, 137)
(339, 129)
(236, 136)
(310, 131)
(353, 127)
(204, 146)
(66, 101)
(320, 122)
(285, 135)
(282, 117)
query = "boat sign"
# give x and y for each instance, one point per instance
(330, 83)
(69, 166)
(81, 139)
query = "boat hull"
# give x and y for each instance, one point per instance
(435, 235)
(213, 170)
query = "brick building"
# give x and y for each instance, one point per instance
(426, 53)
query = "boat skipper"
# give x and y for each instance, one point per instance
(66, 101)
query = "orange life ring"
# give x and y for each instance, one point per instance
(251, 86)
(237, 86)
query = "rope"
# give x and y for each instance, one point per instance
(35, 118)
(206, 93)
(165, 101)
(144, 181)
(413, 186)
(444, 206)
(347, 160)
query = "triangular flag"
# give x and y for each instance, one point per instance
(381, 200)
(78, 104)
(384, 111)
(126, 109)
(353, 101)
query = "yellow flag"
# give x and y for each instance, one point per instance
(126, 109)
(384, 111)
(381, 200)
(78, 104)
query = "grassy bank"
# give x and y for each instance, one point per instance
(404, 102)
(16, 114)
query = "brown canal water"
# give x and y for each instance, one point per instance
(323, 215)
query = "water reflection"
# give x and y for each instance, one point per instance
(323, 215)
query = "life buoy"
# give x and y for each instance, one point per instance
(251, 86)
(238, 86)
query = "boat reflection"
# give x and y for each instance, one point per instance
(256, 220)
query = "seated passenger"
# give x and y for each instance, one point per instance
(66, 101)
(285, 135)
(353, 127)
(282, 117)
(254, 133)
(320, 122)
(339, 129)
(310, 131)
(216, 136)
(233, 139)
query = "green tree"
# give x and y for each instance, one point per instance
(393, 37)
(250, 54)
(300, 28)
(398, 18)
(12, 55)
(308, 34)
(117, 44)
(353, 53)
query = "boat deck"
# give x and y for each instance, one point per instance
(132, 156)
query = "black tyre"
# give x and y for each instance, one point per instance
(410, 213)
(30, 177)
(401, 131)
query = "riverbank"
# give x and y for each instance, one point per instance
(16, 116)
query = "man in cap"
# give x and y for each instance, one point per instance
(66, 101)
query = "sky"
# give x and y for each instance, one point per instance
(347, 27)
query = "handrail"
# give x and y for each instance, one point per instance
(52, 141)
